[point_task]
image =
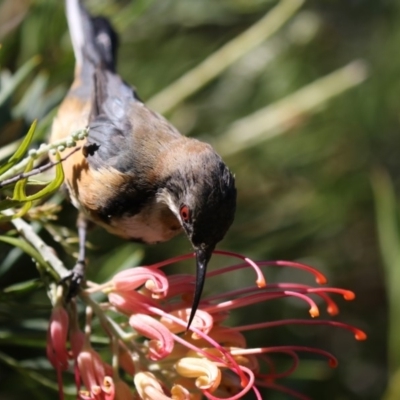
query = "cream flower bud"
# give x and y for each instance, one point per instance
(148, 387)
(207, 374)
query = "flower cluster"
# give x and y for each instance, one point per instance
(146, 316)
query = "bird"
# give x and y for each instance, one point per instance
(136, 175)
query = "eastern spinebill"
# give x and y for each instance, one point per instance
(136, 175)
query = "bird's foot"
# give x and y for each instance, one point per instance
(75, 279)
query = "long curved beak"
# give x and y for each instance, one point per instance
(203, 255)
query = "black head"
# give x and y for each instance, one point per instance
(201, 193)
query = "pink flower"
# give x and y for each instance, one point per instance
(155, 281)
(56, 349)
(57, 338)
(96, 376)
(168, 360)
(93, 373)
(162, 342)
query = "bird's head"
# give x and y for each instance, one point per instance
(201, 192)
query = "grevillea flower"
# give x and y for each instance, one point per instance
(90, 369)
(168, 360)
(94, 373)
(56, 347)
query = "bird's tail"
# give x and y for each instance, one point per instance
(94, 40)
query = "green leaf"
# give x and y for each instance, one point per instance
(27, 373)
(386, 211)
(53, 186)
(21, 199)
(26, 247)
(9, 149)
(37, 182)
(26, 207)
(22, 287)
(17, 78)
(6, 204)
(19, 189)
(22, 149)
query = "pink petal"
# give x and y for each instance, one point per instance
(181, 284)
(162, 344)
(57, 338)
(91, 369)
(77, 340)
(108, 388)
(131, 302)
(131, 279)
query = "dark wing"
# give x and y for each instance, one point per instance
(123, 132)
(108, 142)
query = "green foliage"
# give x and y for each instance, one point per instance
(22, 149)
(16, 171)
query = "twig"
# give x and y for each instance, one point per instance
(46, 251)
(221, 59)
(37, 170)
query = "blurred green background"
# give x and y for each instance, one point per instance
(319, 186)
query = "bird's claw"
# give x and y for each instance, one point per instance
(75, 279)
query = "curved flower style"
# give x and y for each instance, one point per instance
(169, 360)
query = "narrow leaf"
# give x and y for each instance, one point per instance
(26, 247)
(6, 204)
(17, 78)
(53, 185)
(26, 207)
(21, 151)
(19, 189)
(22, 287)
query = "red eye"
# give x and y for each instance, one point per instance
(185, 214)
